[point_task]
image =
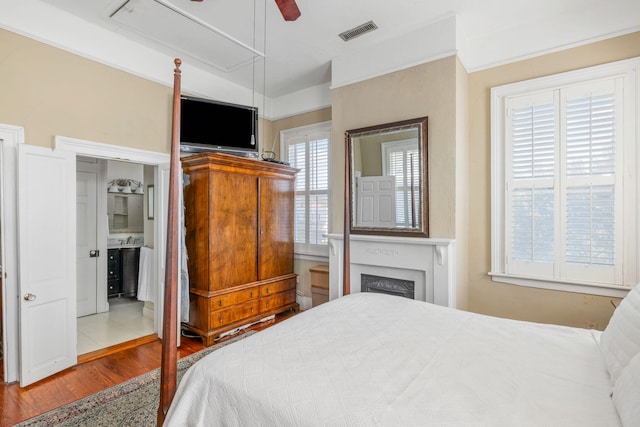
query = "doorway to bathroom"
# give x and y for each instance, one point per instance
(115, 302)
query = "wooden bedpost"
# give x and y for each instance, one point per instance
(346, 264)
(168, 367)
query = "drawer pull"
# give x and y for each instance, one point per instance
(266, 290)
(267, 304)
(220, 303)
(251, 294)
(252, 309)
(220, 319)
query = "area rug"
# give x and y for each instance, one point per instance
(132, 403)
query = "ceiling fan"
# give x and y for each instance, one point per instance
(288, 8)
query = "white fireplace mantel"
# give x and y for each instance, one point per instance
(429, 262)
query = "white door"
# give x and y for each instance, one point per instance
(47, 249)
(376, 206)
(161, 208)
(87, 239)
(3, 294)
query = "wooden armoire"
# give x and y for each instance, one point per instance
(239, 237)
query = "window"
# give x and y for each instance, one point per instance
(564, 180)
(401, 159)
(307, 149)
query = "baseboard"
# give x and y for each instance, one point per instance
(147, 312)
(305, 302)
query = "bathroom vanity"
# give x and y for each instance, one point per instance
(122, 269)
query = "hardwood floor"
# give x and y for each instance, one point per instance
(94, 373)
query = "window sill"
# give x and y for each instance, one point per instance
(311, 257)
(583, 288)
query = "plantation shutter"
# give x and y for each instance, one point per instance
(396, 167)
(563, 184)
(402, 161)
(309, 152)
(592, 190)
(532, 156)
(318, 189)
(297, 157)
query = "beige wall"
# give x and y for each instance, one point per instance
(424, 90)
(300, 266)
(51, 92)
(512, 301)
(462, 186)
(305, 119)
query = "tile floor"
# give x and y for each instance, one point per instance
(123, 322)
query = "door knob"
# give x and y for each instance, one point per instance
(29, 297)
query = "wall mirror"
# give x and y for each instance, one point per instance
(387, 174)
(125, 213)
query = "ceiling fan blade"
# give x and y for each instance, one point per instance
(289, 9)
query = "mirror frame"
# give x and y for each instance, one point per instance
(421, 124)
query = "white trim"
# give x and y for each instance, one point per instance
(106, 151)
(428, 42)
(116, 152)
(305, 131)
(310, 257)
(582, 288)
(629, 70)
(567, 78)
(10, 137)
(304, 301)
(383, 72)
(316, 127)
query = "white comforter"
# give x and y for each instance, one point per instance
(375, 360)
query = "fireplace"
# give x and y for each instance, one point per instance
(427, 263)
(387, 285)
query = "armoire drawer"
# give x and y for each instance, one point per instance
(231, 299)
(277, 300)
(276, 287)
(224, 317)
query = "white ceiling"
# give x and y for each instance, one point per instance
(299, 54)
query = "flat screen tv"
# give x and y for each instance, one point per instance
(208, 125)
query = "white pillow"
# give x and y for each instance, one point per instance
(620, 341)
(626, 393)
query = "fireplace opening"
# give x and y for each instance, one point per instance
(387, 285)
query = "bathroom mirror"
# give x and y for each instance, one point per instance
(125, 213)
(388, 188)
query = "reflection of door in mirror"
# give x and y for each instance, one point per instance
(376, 201)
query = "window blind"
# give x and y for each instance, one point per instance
(309, 152)
(318, 191)
(402, 161)
(562, 188)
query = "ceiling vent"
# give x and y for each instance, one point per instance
(358, 31)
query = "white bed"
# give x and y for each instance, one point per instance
(370, 359)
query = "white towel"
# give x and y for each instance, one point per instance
(145, 275)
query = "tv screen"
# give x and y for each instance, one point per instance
(212, 125)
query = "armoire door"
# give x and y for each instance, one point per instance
(222, 244)
(276, 227)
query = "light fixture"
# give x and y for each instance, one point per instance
(124, 185)
(127, 188)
